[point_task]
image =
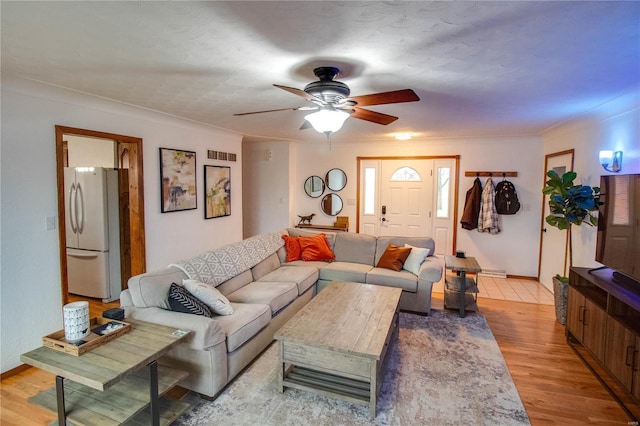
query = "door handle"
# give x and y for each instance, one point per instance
(581, 314)
(627, 362)
(384, 219)
(80, 222)
(384, 209)
(84, 255)
(544, 229)
(72, 210)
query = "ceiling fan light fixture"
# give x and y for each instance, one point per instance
(327, 120)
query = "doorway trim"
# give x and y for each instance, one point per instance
(414, 157)
(542, 210)
(136, 198)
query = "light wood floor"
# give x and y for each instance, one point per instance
(556, 388)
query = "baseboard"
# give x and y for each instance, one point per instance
(19, 369)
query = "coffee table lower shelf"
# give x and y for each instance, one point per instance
(127, 402)
(352, 390)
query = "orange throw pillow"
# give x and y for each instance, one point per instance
(394, 257)
(316, 248)
(292, 245)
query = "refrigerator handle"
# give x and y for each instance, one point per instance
(87, 255)
(72, 210)
(81, 219)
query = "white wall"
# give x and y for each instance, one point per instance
(615, 126)
(30, 296)
(514, 250)
(266, 196)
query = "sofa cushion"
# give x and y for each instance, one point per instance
(180, 300)
(149, 290)
(235, 283)
(205, 332)
(393, 257)
(210, 296)
(345, 271)
(400, 279)
(316, 248)
(275, 294)
(247, 320)
(263, 268)
(355, 248)
(304, 276)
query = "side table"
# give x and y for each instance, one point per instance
(462, 265)
(106, 387)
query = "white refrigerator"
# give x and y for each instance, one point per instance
(92, 232)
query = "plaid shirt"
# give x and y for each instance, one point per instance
(488, 219)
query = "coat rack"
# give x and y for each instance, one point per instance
(491, 174)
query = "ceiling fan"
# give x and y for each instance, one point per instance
(334, 105)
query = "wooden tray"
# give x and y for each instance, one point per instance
(57, 341)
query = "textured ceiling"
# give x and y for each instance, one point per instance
(480, 68)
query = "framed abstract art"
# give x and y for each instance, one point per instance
(177, 180)
(217, 191)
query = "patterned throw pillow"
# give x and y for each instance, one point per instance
(180, 300)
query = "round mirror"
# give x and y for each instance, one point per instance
(336, 179)
(332, 204)
(314, 186)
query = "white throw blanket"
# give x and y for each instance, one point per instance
(217, 266)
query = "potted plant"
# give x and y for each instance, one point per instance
(569, 205)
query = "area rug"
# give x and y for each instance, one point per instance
(444, 370)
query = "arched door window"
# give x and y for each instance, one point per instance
(406, 174)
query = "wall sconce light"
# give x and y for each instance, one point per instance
(611, 161)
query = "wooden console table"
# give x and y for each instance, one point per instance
(323, 227)
(109, 384)
(603, 328)
(462, 265)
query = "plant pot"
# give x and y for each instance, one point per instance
(560, 299)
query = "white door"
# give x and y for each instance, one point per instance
(553, 242)
(408, 197)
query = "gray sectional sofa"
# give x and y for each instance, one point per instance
(265, 292)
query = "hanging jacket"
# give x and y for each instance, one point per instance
(472, 206)
(488, 221)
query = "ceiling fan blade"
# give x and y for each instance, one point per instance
(304, 108)
(394, 97)
(374, 117)
(300, 93)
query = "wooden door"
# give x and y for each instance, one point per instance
(595, 324)
(621, 343)
(575, 311)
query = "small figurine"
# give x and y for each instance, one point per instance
(306, 219)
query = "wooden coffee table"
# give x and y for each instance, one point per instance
(109, 384)
(338, 344)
